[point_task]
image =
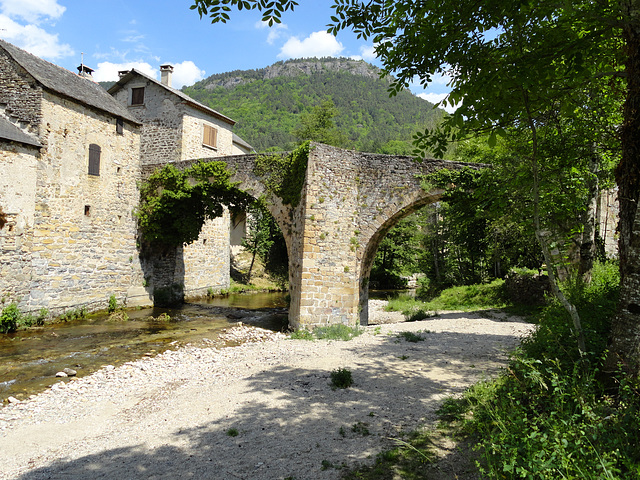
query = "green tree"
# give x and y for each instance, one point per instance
(508, 62)
(318, 125)
(258, 240)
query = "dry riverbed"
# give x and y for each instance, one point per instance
(261, 410)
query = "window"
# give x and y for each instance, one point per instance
(210, 137)
(94, 159)
(119, 126)
(137, 96)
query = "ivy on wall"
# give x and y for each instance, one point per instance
(284, 174)
(174, 204)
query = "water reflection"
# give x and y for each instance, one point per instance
(29, 360)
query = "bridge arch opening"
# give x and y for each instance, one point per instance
(374, 243)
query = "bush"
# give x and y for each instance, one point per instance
(341, 378)
(550, 416)
(113, 304)
(10, 318)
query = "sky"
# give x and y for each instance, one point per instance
(122, 34)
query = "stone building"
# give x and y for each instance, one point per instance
(68, 171)
(174, 128)
(71, 157)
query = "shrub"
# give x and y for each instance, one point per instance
(9, 318)
(113, 304)
(341, 378)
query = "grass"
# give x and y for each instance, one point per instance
(487, 296)
(330, 332)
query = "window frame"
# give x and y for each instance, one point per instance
(135, 96)
(95, 152)
(207, 138)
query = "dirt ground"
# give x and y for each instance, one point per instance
(262, 410)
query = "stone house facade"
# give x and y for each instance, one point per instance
(68, 171)
(71, 157)
(174, 128)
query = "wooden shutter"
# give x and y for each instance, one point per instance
(94, 159)
(137, 96)
(210, 136)
(119, 126)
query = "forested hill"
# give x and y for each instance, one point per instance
(268, 103)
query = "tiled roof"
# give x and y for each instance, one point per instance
(9, 131)
(186, 98)
(66, 83)
(241, 142)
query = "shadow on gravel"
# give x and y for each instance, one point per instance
(295, 426)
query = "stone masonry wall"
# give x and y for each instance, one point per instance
(84, 239)
(352, 200)
(192, 132)
(160, 140)
(19, 95)
(18, 175)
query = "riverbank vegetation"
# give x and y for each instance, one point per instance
(554, 412)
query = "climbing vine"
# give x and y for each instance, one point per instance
(284, 175)
(450, 179)
(174, 204)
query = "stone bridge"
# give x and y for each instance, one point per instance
(349, 201)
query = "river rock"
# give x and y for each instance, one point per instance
(62, 374)
(13, 400)
(70, 372)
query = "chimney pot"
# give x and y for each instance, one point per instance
(165, 74)
(122, 73)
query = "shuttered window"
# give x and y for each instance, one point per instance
(210, 136)
(137, 96)
(94, 159)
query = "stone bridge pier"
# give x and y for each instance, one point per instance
(349, 201)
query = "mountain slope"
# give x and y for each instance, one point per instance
(267, 103)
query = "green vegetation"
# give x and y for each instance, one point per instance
(411, 337)
(406, 461)
(274, 113)
(284, 174)
(9, 318)
(174, 204)
(330, 332)
(113, 304)
(341, 378)
(233, 432)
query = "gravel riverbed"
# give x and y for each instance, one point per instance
(262, 410)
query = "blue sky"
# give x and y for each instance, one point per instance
(121, 34)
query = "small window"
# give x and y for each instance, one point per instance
(137, 96)
(94, 159)
(119, 126)
(210, 137)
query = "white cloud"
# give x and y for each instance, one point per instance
(276, 31)
(20, 22)
(318, 44)
(186, 73)
(34, 39)
(367, 53)
(32, 11)
(437, 98)
(108, 72)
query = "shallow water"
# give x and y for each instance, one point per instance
(29, 360)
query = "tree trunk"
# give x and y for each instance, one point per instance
(625, 328)
(588, 242)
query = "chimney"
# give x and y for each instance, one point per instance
(85, 71)
(165, 75)
(122, 73)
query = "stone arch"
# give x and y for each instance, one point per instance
(349, 201)
(374, 242)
